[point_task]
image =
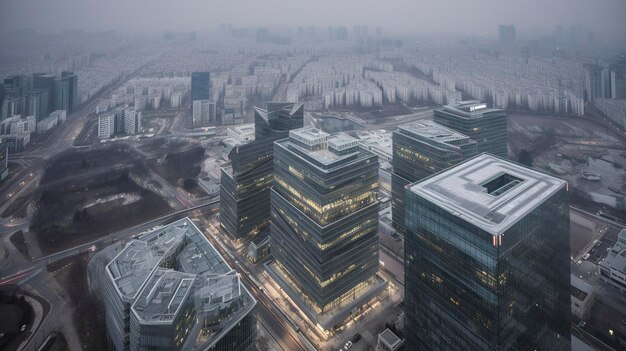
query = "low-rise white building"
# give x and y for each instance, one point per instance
(613, 267)
(132, 121)
(23, 125)
(47, 123)
(243, 133)
(582, 298)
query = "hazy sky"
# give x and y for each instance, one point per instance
(459, 16)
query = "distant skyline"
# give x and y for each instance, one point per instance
(479, 17)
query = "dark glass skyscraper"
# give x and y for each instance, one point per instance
(487, 259)
(244, 187)
(486, 126)
(200, 83)
(324, 225)
(72, 80)
(420, 149)
(46, 82)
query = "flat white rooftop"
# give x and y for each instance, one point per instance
(433, 131)
(469, 109)
(489, 192)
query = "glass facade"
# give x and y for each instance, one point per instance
(200, 83)
(171, 290)
(244, 189)
(467, 288)
(485, 126)
(324, 210)
(420, 149)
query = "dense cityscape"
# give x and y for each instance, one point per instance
(313, 186)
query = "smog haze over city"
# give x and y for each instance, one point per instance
(312, 175)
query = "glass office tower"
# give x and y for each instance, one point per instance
(486, 126)
(420, 149)
(487, 259)
(244, 187)
(324, 226)
(200, 84)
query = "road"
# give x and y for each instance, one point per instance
(24, 272)
(282, 333)
(9, 274)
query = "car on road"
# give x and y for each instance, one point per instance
(356, 338)
(347, 345)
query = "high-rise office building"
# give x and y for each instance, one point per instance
(506, 34)
(72, 92)
(487, 263)
(244, 186)
(618, 78)
(486, 126)
(204, 113)
(171, 290)
(324, 222)
(597, 82)
(421, 149)
(200, 85)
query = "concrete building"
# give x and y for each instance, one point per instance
(204, 113)
(36, 104)
(200, 86)
(487, 259)
(45, 81)
(61, 115)
(612, 268)
(106, 125)
(582, 297)
(421, 149)
(15, 142)
(389, 341)
(103, 106)
(4, 160)
(324, 224)
(170, 289)
(244, 186)
(132, 121)
(486, 126)
(55, 118)
(613, 109)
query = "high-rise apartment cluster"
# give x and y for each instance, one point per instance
(38, 95)
(34, 103)
(606, 80)
(118, 120)
(245, 184)
(203, 109)
(170, 289)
